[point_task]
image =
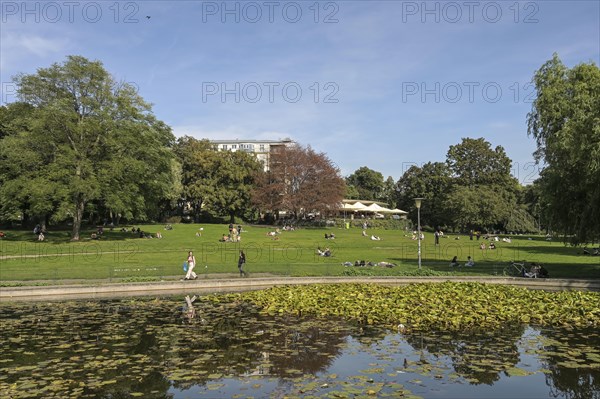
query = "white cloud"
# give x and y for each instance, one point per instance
(23, 49)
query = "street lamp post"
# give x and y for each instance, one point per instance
(418, 204)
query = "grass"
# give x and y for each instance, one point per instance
(120, 256)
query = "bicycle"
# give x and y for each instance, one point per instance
(514, 269)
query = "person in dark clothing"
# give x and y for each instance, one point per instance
(241, 262)
(454, 262)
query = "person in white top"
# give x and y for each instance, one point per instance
(191, 261)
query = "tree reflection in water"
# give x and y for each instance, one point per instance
(479, 357)
(111, 349)
(567, 356)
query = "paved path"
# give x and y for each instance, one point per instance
(228, 283)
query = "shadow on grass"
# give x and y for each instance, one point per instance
(555, 269)
(64, 236)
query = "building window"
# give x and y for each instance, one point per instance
(262, 147)
(233, 146)
(224, 146)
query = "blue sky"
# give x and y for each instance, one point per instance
(383, 84)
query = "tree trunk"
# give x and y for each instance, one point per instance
(77, 218)
(197, 211)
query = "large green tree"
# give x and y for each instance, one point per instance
(565, 121)
(26, 188)
(93, 141)
(432, 182)
(473, 162)
(484, 191)
(368, 182)
(219, 181)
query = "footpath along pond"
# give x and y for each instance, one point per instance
(293, 342)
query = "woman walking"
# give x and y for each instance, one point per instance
(241, 262)
(191, 261)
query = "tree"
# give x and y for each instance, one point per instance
(485, 207)
(94, 141)
(351, 192)
(484, 192)
(565, 121)
(299, 180)
(473, 162)
(196, 161)
(235, 179)
(220, 181)
(25, 188)
(389, 192)
(432, 182)
(368, 182)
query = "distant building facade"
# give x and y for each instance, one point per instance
(262, 149)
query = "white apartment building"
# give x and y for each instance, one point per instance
(261, 149)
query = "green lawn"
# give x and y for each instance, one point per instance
(120, 255)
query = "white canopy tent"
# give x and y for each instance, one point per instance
(376, 208)
(355, 207)
(399, 211)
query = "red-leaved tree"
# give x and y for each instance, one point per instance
(299, 181)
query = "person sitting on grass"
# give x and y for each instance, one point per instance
(375, 238)
(225, 238)
(482, 246)
(454, 262)
(492, 245)
(533, 272)
(592, 252)
(470, 262)
(364, 233)
(326, 252)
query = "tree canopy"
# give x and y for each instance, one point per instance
(431, 182)
(85, 142)
(473, 189)
(368, 183)
(220, 181)
(565, 121)
(299, 180)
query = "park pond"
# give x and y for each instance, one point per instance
(165, 348)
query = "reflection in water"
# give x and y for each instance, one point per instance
(480, 357)
(157, 348)
(573, 358)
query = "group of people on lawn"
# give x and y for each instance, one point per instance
(454, 262)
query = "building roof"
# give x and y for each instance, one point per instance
(238, 141)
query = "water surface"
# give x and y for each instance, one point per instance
(163, 348)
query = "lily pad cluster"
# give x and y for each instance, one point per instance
(144, 348)
(444, 306)
(230, 346)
